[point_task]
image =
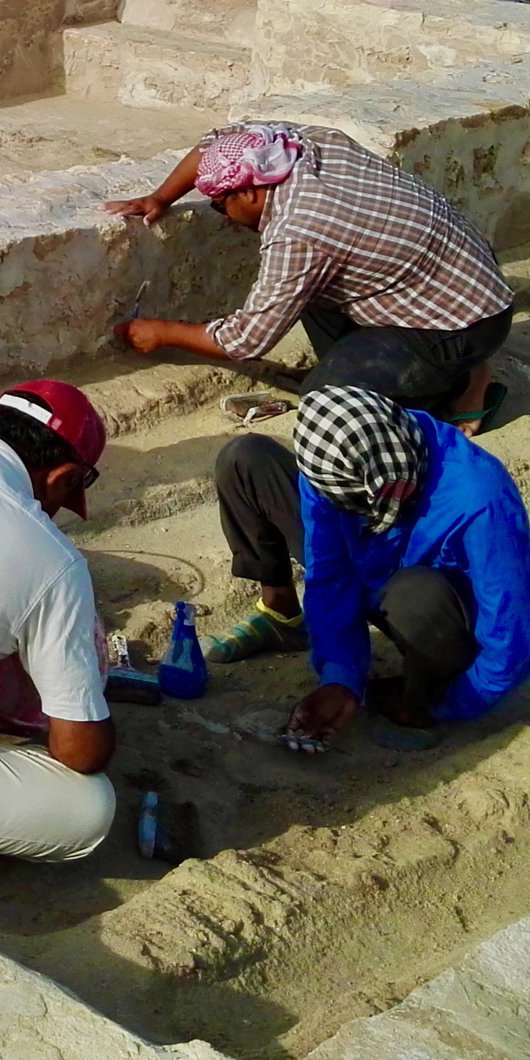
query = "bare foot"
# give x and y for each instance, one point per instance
(472, 398)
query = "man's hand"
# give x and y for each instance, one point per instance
(150, 207)
(322, 713)
(142, 335)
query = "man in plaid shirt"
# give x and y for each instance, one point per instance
(397, 291)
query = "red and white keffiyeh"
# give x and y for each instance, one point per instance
(260, 155)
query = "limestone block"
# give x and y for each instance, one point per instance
(83, 11)
(70, 272)
(232, 20)
(29, 63)
(154, 14)
(480, 1010)
(148, 68)
(468, 136)
(302, 45)
(41, 1020)
(25, 29)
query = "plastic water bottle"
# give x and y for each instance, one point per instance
(182, 672)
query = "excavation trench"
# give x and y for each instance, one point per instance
(328, 887)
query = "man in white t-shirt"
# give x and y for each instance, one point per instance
(55, 803)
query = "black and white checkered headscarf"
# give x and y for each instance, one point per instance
(361, 450)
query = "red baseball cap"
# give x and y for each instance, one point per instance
(71, 415)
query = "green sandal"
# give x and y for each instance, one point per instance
(258, 632)
(493, 399)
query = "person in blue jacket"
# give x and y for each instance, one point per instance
(401, 522)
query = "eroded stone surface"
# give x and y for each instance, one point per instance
(467, 136)
(148, 68)
(39, 134)
(70, 272)
(25, 64)
(479, 1010)
(40, 1020)
(309, 44)
(27, 33)
(231, 20)
(76, 11)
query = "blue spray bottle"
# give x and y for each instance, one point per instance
(182, 672)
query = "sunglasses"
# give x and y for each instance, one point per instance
(90, 474)
(219, 203)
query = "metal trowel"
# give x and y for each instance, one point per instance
(141, 291)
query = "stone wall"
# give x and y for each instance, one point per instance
(467, 135)
(482, 164)
(82, 11)
(70, 272)
(27, 29)
(437, 86)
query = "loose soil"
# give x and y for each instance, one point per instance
(327, 888)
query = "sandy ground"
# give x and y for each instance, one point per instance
(326, 888)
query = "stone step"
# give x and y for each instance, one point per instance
(38, 132)
(467, 135)
(302, 47)
(40, 1019)
(231, 20)
(147, 68)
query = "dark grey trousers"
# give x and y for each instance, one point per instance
(418, 609)
(421, 369)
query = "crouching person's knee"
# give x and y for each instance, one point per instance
(244, 456)
(47, 811)
(91, 820)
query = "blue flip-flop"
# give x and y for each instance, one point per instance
(493, 399)
(148, 824)
(394, 737)
(168, 832)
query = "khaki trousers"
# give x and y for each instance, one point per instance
(48, 812)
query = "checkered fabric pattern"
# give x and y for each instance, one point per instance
(360, 450)
(349, 231)
(258, 155)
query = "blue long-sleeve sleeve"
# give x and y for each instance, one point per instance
(494, 551)
(334, 611)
